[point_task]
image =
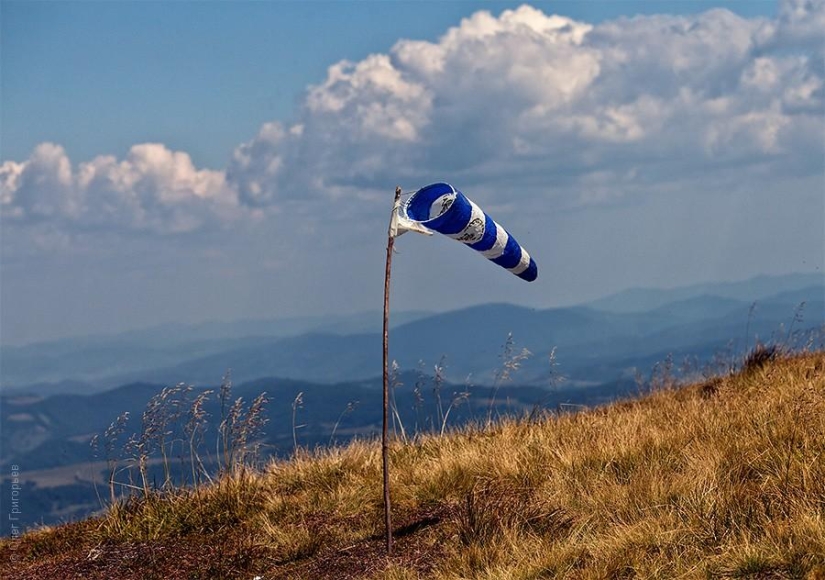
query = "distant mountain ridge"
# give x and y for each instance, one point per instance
(694, 322)
(87, 362)
(753, 289)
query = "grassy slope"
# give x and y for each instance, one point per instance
(725, 478)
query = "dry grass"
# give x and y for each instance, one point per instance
(720, 479)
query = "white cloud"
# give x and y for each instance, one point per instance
(152, 189)
(540, 104)
(530, 99)
(798, 23)
(40, 188)
(256, 165)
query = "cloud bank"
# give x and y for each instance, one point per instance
(538, 106)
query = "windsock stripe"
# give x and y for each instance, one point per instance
(523, 264)
(488, 240)
(499, 243)
(511, 255)
(531, 273)
(474, 230)
(440, 206)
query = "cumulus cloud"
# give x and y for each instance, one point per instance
(798, 23)
(40, 188)
(152, 189)
(533, 100)
(541, 104)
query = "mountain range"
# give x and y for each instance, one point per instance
(630, 329)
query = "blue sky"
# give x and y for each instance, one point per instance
(187, 161)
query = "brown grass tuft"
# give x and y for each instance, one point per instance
(761, 355)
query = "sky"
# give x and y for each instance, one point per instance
(192, 161)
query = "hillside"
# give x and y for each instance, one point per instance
(62, 472)
(724, 478)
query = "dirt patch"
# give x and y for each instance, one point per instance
(188, 557)
(229, 554)
(417, 546)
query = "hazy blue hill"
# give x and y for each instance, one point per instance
(54, 387)
(312, 357)
(644, 299)
(98, 362)
(29, 422)
(90, 359)
(700, 307)
(476, 335)
(471, 339)
(691, 329)
(490, 323)
(811, 294)
(356, 323)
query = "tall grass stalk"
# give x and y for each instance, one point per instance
(222, 442)
(194, 429)
(394, 384)
(110, 441)
(438, 382)
(511, 361)
(297, 403)
(350, 408)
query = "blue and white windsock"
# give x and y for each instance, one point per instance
(442, 208)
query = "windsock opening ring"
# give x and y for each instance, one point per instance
(442, 208)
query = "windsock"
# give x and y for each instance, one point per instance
(442, 208)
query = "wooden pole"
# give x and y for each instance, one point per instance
(385, 444)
